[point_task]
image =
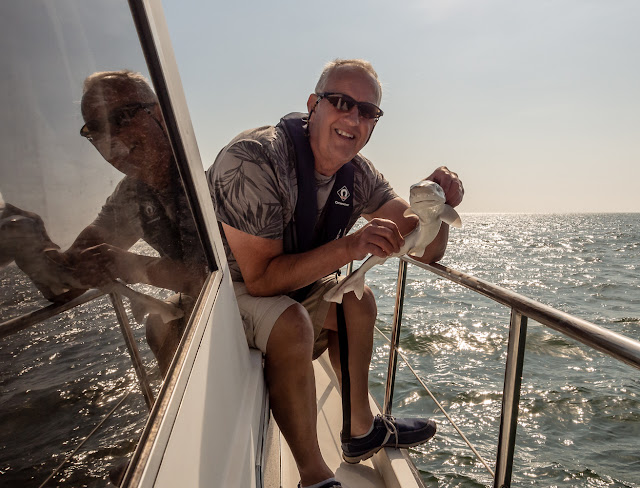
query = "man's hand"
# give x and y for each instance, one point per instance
(100, 265)
(379, 237)
(450, 183)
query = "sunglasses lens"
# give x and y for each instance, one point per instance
(345, 103)
(91, 127)
(341, 102)
(368, 110)
(122, 117)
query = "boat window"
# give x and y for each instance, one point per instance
(100, 259)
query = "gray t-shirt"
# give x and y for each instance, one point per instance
(254, 187)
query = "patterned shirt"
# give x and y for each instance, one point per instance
(254, 187)
(163, 219)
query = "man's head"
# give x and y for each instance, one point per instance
(124, 122)
(338, 127)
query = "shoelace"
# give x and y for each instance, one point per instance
(390, 424)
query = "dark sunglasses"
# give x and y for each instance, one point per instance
(345, 103)
(120, 117)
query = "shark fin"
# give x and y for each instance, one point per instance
(408, 212)
(418, 252)
(353, 283)
(450, 216)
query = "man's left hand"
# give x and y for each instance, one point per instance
(450, 183)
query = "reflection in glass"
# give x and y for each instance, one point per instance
(69, 221)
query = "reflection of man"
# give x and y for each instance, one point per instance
(124, 123)
(270, 186)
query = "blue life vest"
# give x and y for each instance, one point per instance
(302, 234)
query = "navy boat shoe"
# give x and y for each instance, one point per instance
(388, 432)
(331, 483)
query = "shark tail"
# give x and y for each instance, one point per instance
(353, 283)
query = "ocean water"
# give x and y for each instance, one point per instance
(579, 421)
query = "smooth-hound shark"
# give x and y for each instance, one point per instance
(427, 202)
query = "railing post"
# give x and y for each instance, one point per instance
(132, 348)
(395, 338)
(510, 399)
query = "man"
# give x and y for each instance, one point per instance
(284, 245)
(124, 123)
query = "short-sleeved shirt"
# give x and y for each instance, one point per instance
(163, 219)
(254, 186)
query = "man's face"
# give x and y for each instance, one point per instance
(337, 136)
(126, 131)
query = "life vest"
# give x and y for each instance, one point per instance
(174, 236)
(302, 234)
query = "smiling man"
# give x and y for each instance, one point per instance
(287, 197)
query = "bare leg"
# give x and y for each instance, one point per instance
(292, 394)
(360, 316)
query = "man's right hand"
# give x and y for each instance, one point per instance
(100, 265)
(379, 237)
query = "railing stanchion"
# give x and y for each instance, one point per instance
(510, 399)
(395, 338)
(130, 341)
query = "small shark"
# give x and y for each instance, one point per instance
(427, 202)
(24, 239)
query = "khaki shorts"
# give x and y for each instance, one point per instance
(259, 314)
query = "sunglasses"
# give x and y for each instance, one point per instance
(120, 117)
(345, 103)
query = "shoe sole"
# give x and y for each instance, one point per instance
(367, 455)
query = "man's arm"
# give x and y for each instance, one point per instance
(267, 271)
(101, 264)
(95, 234)
(99, 255)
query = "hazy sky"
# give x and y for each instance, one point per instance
(535, 104)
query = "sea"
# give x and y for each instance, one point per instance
(579, 418)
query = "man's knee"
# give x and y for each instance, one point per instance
(292, 331)
(365, 307)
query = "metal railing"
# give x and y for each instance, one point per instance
(17, 324)
(613, 344)
(24, 321)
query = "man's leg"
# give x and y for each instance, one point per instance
(360, 316)
(292, 394)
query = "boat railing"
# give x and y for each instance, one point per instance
(522, 308)
(14, 325)
(17, 324)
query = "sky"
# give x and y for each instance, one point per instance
(48, 48)
(536, 105)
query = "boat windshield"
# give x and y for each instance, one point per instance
(91, 199)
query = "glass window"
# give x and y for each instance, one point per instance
(91, 199)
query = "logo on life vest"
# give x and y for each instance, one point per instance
(343, 193)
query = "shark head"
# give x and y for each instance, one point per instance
(427, 200)
(424, 196)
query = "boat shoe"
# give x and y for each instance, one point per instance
(388, 432)
(332, 483)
